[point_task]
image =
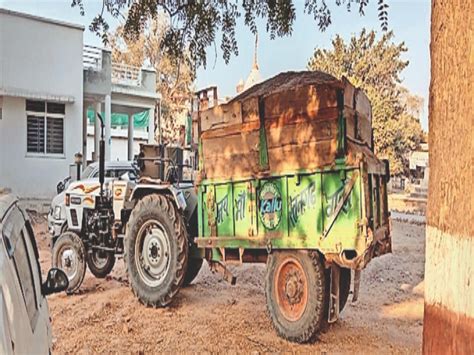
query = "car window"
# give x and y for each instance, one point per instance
(120, 172)
(23, 266)
(34, 260)
(113, 173)
(87, 172)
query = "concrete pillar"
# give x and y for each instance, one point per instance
(130, 137)
(84, 134)
(97, 108)
(151, 126)
(108, 122)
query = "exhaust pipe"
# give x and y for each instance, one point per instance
(101, 156)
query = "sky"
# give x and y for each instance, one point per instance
(409, 19)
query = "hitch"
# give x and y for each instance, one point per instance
(219, 266)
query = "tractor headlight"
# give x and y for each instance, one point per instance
(57, 212)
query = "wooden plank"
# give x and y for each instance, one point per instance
(302, 133)
(362, 105)
(321, 115)
(363, 131)
(230, 145)
(233, 166)
(302, 100)
(231, 130)
(289, 158)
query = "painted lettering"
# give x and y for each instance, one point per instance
(240, 206)
(299, 203)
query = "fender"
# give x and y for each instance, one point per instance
(141, 190)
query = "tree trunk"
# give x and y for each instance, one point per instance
(449, 270)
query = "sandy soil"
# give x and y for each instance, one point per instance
(211, 315)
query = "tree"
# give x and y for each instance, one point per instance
(174, 80)
(195, 24)
(449, 268)
(375, 66)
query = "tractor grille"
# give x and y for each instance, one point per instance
(75, 223)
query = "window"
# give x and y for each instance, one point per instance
(21, 249)
(25, 277)
(45, 127)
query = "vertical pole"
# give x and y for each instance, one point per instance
(97, 109)
(160, 132)
(84, 133)
(130, 137)
(151, 125)
(108, 122)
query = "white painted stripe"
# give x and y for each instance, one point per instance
(449, 271)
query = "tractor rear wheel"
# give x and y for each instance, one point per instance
(156, 250)
(296, 294)
(194, 266)
(69, 255)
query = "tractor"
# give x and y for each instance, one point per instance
(153, 205)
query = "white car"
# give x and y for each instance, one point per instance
(25, 326)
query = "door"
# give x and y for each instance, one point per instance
(27, 308)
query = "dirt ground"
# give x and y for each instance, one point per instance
(211, 315)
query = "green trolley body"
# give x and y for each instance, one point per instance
(339, 209)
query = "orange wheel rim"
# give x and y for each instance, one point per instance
(291, 288)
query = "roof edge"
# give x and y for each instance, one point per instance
(41, 19)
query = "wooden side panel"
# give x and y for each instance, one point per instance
(301, 127)
(221, 116)
(250, 110)
(365, 130)
(302, 133)
(358, 114)
(302, 156)
(362, 105)
(234, 156)
(306, 100)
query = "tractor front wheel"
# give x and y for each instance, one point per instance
(69, 255)
(156, 250)
(100, 263)
(296, 294)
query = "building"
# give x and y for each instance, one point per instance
(48, 82)
(419, 165)
(254, 76)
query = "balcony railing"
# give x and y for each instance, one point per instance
(126, 74)
(122, 74)
(92, 57)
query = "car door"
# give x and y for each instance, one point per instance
(26, 307)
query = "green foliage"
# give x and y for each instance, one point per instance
(194, 24)
(375, 65)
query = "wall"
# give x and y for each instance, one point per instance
(119, 145)
(40, 59)
(449, 269)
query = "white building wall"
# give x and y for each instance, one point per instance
(39, 59)
(119, 144)
(33, 176)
